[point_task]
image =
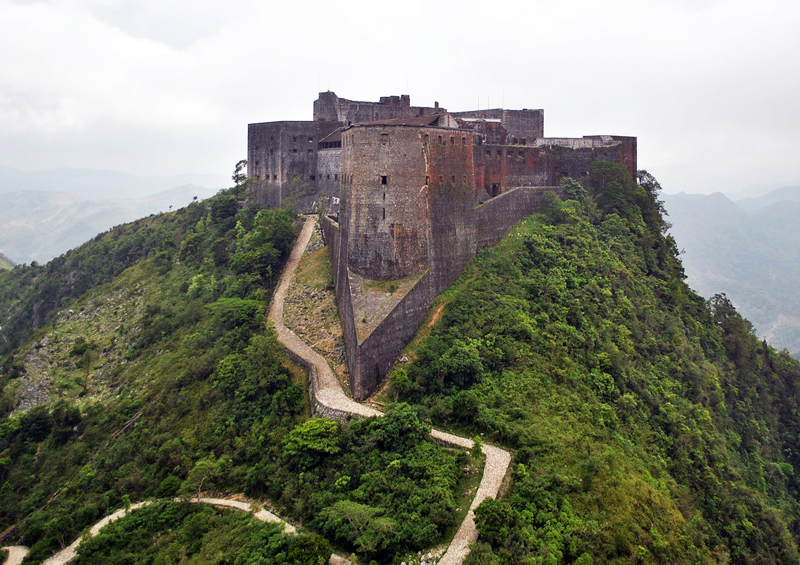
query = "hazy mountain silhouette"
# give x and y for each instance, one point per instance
(40, 225)
(101, 184)
(750, 250)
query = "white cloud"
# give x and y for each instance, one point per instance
(709, 87)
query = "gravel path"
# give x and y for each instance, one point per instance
(70, 552)
(16, 553)
(329, 393)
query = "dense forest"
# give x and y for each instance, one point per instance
(649, 426)
(148, 372)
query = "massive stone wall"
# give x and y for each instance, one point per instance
(329, 166)
(496, 217)
(329, 107)
(282, 161)
(383, 201)
(522, 127)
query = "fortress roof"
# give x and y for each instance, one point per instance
(429, 120)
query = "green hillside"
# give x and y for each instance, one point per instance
(5, 263)
(648, 425)
(139, 366)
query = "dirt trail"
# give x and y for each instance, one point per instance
(329, 393)
(16, 553)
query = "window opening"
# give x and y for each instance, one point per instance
(384, 137)
(384, 178)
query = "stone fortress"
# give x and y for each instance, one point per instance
(408, 195)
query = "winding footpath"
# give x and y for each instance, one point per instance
(332, 398)
(17, 553)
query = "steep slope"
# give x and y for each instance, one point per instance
(649, 425)
(5, 263)
(146, 370)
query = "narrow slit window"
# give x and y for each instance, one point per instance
(427, 179)
(463, 142)
(384, 179)
(440, 140)
(384, 213)
(452, 141)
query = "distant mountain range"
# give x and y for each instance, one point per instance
(38, 225)
(748, 249)
(92, 184)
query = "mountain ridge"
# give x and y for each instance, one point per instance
(40, 225)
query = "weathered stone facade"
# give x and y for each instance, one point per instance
(411, 194)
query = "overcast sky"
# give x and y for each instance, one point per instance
(711, 88)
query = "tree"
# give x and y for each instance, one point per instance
(204, 473)
(311, 439)
(493, 519)
(239, 177)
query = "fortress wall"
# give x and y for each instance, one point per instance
(329, 107)
(507, 166)
(576, 163)
(329, 164)
(282, 159)
(497, 216)
(378, 352)
(387, 223)
(451, 208)
(524, 126)
(334, 238)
